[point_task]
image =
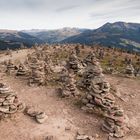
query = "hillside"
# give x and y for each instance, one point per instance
(118, 34)
(14, 39)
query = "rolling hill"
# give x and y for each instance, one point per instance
(14, 39)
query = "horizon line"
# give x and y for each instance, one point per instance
(47, 29)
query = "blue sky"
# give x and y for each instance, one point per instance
(53, 14)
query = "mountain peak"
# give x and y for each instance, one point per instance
(115, 24)
(120, 26)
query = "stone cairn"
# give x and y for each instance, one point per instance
(39, 116)
(98, 98)
(74, 63)
(129, 71)
(48, 63)
(68, 84)
(10, 67)
(22, 70)
(137, 72)
(9, 102)
(37, 74)
(110, 69)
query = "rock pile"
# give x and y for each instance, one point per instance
(111, 69)
(88, 60)
(99, 99)
(37, 74)
(129, 71)
(92, 75)
(68, 85)
(69, 88)
(137, 72)
(40, 117)
(10, 67)
(22, 71)
(37, 78)
(74, 63)
(114, 122)
(9, 102)
(82, 136)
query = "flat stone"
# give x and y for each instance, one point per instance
(81, 137)
(89, 97)
(4, 109)
(41, 117)
(84, 137)
(118, 132)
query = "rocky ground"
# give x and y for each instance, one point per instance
(65, 118)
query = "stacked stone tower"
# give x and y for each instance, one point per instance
(129, 71)
(22, 70)
(74, 63)
(69, 88)
(9, 102)
(37, 74)
(99, 99)
(10, 67)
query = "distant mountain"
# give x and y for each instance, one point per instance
(14, 39)
(54, 36)
(118, 34)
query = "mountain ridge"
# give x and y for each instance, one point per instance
(55, 35)
(118, 34)
(13, 39)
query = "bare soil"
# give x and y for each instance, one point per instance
(64, 117)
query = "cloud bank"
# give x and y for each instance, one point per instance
(52, 14)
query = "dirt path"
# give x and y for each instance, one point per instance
(62, 114)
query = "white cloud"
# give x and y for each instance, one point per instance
(28, 14)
